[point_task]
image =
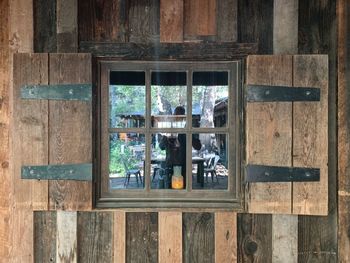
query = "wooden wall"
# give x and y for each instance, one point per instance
(65, 26)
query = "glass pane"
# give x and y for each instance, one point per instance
(127, 99)
(126, 160)
(209, 99)
(168, 161)
(210, 163)
(168, 98)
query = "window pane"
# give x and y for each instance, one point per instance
(168, 158)
(126, 160)
(210, 163)
(127, 99)
(209, 99)
(168, 98)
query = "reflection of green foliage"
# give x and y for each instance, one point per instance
(116, 156)
(175, 95)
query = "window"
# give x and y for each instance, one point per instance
(169, 134)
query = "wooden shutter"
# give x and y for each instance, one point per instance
(288, 134)
(52, 132)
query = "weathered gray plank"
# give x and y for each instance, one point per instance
(67, 26)
(226, 20)
(45, 237)
(198, 237)
(95, 236)
(142, 237)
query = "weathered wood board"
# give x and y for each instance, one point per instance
(171, 21)
(70, 132)
(66, 237)
(226, 20)
(119, 237)
(225, 237)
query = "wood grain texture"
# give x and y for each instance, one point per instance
(343, 12)
(225, 237)
(45, 236)
(67, 26)
(285, 27)
(170, 237)
(269, 133)
(119, 237)
(226, 20)
(70, 132)
(45, 28)
(66, 250)
(141, 237)
(255, 24)
(171, 51)
(30, 138)
(171, 21)
(310, 135)
(198, 233)
(285, 238)
(95, 236)
(199, 18)
(254, 238)
(143, 21)
(102, 20)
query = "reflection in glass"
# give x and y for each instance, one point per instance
(168, 157)
(127, 100)
(126, 156)
(209, 99)
(168, 91)
(210, 163)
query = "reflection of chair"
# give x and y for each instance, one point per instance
(129, 172)
(211, 168)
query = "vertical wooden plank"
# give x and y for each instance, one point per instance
(95, 236)
(142, 237)
(310, 135)
(255, 24)
(198, 237)
(5, 174)
(285, 41)
(343, 11)
(254, 238)
(285, 27)
(269, 133)
(45, 236)
(143, 18)
(102, 20)
(284, 238)
(67, 26)
(225, 237)
(226, 24)
(171, 21)
(119, 237)
(170, 237)
(318, 35)
(45, 29)
(66, 250)
(30, 144)
(199, 18)
(70, 132)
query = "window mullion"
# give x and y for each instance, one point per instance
(147, 132)
(188, 132)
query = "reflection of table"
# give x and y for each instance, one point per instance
(199, 161)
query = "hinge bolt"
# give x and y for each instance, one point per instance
(307, 174)
(70, 92)
(308, 93)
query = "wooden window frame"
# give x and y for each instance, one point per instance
(232, 198)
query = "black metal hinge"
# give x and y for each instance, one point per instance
(263, 93)
(263, 173)
(77, 172)
(57, 92)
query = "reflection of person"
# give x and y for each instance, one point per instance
(176, 148)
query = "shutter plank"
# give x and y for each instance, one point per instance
(269, 133)
(310, 135)
(66, 250)
(70, 132)
(225, 237)
(30, 135)
(171, 21)
(170, 237)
